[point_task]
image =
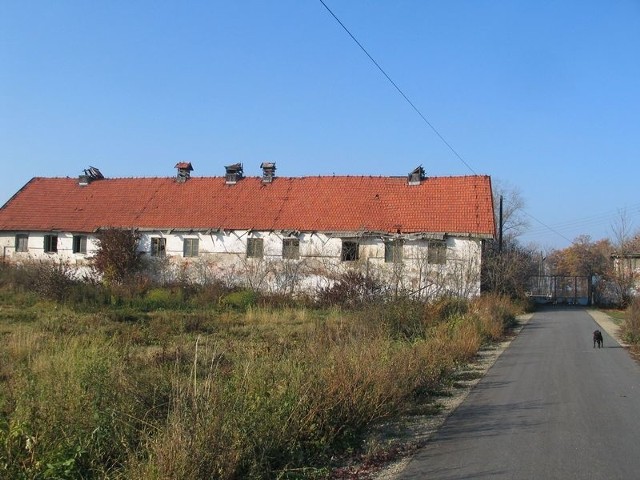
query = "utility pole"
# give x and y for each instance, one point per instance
(500, 228)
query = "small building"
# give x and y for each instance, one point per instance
(418, 234)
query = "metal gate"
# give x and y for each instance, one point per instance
(558, 289)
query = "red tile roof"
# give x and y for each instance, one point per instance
(455, 205)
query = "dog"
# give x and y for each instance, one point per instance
(597, 339)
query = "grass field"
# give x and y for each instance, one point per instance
(164, 387)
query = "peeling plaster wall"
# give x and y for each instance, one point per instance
(223, 253)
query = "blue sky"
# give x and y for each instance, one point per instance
(542, 96)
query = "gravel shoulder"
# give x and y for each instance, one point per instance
(403, 438)
(608, 325)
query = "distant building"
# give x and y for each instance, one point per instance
(422, 235)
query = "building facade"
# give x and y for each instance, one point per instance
(417, 234)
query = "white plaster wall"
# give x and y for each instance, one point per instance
(224, 254)
(36, 251)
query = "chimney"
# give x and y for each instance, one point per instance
(268, 171)
(416, 177)
(90, 174)
(184, 171)
(233, 173)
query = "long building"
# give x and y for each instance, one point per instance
(420, 234)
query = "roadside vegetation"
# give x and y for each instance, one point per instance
(631, 325)
(136, 380)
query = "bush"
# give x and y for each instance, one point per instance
(51, 280)
(240, 300)
(352, 288)
(117, 258)
(631, 325)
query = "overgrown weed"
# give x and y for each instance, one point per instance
(225, 390)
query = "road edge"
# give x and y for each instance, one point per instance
(608, 325)
(426, 428)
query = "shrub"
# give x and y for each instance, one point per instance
(117, 257)
(352, 288)
(631, 325)
(51, 280)
(240, 300)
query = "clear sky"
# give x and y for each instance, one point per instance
(543, 96)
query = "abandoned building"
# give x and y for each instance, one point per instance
(418, 234)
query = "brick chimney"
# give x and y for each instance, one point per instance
(268, 171)
(89, 175)
(184, 171)
(416, 176)
(233, 173)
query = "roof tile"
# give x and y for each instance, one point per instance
(462, 205)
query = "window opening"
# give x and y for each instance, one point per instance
(255, 248)
(393, 251)
(79, 244)
(437, 252)
(158, 247)
(50, 243)
(22, 242)
(291, 248)
(350, 251)
(190, 247)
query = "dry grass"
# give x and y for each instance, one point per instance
(261, 393)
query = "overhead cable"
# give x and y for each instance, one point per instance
(416, 109)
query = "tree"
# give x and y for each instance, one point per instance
(624, 252)
(506, 268)
(514, 221)
(117, 258)
(584, 258)
(508, 271)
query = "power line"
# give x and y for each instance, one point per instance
(596, 219)
(547, 226)
(424, 119)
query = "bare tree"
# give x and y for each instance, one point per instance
(626, 247)
(514, 221)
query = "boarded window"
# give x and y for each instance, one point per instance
(190, 247)
(50, 243)
(22, 242)
(350, 251)
(255, 248)
(393, 251)
(291, 248)
(79, 244)
(437, 252)
(158, 247)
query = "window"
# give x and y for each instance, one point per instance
(50, 243)
(158, 247)
(22, 242)
(190, 247)
(79, 244)
(291, 248)
(255, 247)
(350, 251)
(437, 252)
(393, 251)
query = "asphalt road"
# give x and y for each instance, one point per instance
(551, 407)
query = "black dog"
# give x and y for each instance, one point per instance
(597, 339)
